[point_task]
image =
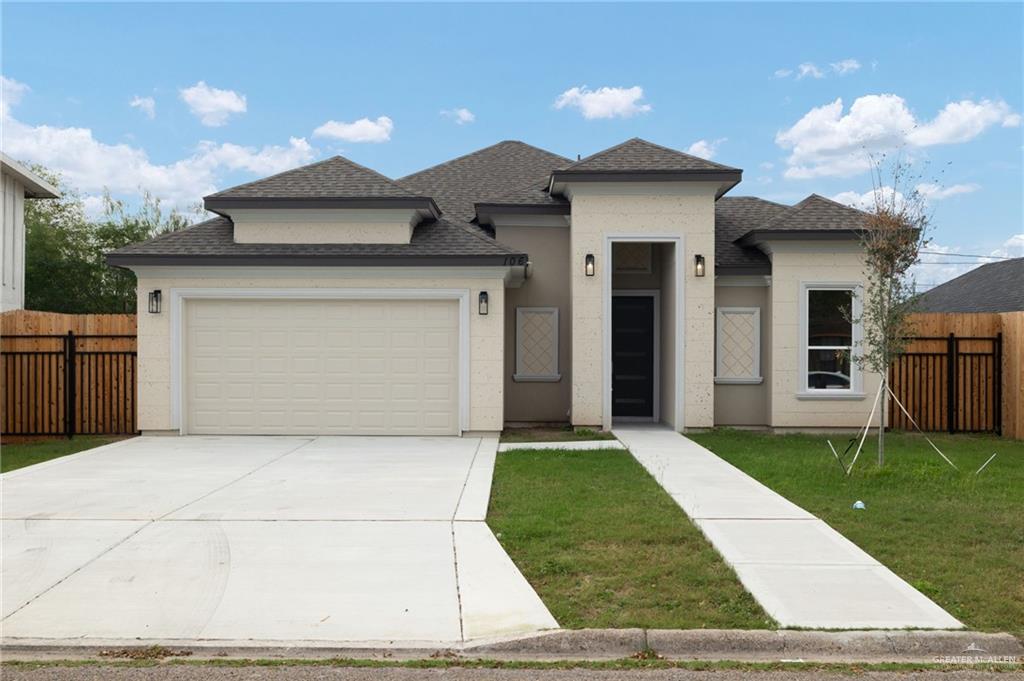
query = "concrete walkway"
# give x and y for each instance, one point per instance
(804, 573)
(378, 541)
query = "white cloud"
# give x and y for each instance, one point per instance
(363, 130)
(935, 192)
(962, 121)
(808, 70)
(845, 66)
(145, 104)
(929, 191)
(828, 142)
(704, 148)
(211, 105)
(767, 165)
(91, 165)
(11, 93)
(461, 115)
(604, 102)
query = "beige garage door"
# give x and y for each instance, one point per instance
(344, 367)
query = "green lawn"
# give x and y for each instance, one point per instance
(566, 434)
(20, 455)
(957, 537)
(605, 546)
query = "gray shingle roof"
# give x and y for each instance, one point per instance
(638, 155)
(734, 217)
(994, 287)
(436, 242)
(818, 213)
(335, 177)
(458, 184)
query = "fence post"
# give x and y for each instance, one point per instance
(69, 384)
(951, 383)
(997, 369)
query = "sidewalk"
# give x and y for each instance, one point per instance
(804, 573)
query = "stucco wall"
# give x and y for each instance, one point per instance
(154, 335)
(12, 244)
(795, 263)
(548, 286)
(310, 226)
(746, 405)
(640, 209)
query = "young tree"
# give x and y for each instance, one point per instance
(894, 233)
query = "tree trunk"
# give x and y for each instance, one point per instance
(881, 422)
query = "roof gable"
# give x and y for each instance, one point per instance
(818, 213)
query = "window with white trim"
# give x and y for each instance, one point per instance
(738, 351)
(829, 337)
(537, 344)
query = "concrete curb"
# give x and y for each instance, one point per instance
(575, 446)
(954, 647)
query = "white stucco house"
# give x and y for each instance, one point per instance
(509, 285)
(19, 183)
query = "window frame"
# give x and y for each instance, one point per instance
(519, 376)
(855, 391)
(758, 377)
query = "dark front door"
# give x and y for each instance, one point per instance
(633, 356)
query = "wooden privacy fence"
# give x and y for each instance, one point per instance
(962, 373)
(69, 382)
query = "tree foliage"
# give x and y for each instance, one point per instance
(65, 265)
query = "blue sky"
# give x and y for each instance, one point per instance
(227, 93)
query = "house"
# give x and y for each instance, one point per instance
(509, 285)
(993, 287)
(19, 183)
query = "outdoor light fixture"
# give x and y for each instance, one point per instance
(483, 302)
(698, 265)
(154, 301)
(588, 266)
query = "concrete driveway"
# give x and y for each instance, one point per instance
(378, 541)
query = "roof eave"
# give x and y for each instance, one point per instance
(34, 186)
(128, 260)
(216, 204)
(485, 212)
(728, 178)
(757, 236)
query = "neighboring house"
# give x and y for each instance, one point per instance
(507, 285)
(994, 287)
(19, 183)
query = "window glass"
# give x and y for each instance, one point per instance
(829, 313)
(829, 339)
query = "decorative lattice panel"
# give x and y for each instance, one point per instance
(632, 257)
(537, 342)
(738, 340)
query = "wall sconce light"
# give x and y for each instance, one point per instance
(528, 269)
(698, 265)
(589, 265)
(154, 301)
(483, 302)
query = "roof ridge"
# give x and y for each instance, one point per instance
(755, 198)
(270, 177)
(475, 152)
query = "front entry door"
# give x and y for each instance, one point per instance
(633, 356)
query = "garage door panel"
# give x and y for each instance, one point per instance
(333, 367)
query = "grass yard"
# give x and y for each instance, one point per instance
(957, 537)
(19, 455)
(605, 546)
(566, 434)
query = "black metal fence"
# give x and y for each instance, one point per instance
(68, 384)
(949, 383)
